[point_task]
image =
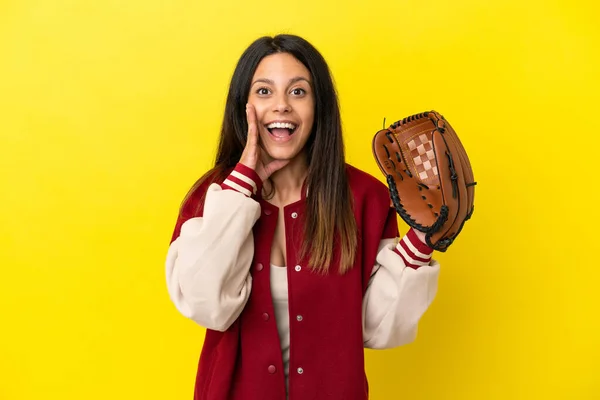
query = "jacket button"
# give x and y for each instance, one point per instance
(300, 371)
(272, 369)
(298, 268)
(294, 215)
(299, 318)
(267, 212)
(265, 316)
(259, 267)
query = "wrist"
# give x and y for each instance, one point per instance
(243, 179)
(417, 238)
(414, 252)
(420, 236)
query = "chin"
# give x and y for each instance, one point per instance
(281, 155)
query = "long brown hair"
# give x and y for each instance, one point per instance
(329, 221)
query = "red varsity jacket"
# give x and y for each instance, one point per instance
(243, 361)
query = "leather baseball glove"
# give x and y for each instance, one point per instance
(428, 174)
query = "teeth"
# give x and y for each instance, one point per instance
(285, 125)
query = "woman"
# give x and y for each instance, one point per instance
(286, 254)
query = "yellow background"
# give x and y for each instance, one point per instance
(109, 110)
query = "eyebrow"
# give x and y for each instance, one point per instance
(270, 82)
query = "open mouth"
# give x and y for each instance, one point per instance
(281, 129)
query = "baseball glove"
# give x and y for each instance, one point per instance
(428, 174)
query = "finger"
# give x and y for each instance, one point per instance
(252, 128)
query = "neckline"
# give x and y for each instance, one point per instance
(303, 194)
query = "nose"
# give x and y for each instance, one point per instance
(282, 104)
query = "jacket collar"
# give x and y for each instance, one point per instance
(303, 195)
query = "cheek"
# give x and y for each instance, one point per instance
(308, 116)
(309, 121)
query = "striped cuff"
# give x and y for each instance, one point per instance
(414, 252)
(244, 180)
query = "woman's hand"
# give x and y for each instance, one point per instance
(421, 236)
(251, 156)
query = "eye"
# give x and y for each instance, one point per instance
(298, 92)
(263, 91)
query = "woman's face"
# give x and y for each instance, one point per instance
(281, 92)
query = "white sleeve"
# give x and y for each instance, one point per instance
(208, 265)
(396, 298)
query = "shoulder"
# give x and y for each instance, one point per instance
(366, 187)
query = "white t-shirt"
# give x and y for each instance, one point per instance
(279, 293)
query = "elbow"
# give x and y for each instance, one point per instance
(398, 336)
(213, 302)
(406, 335)
(215, 318)
(212, 309)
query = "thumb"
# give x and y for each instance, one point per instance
(275, 166)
